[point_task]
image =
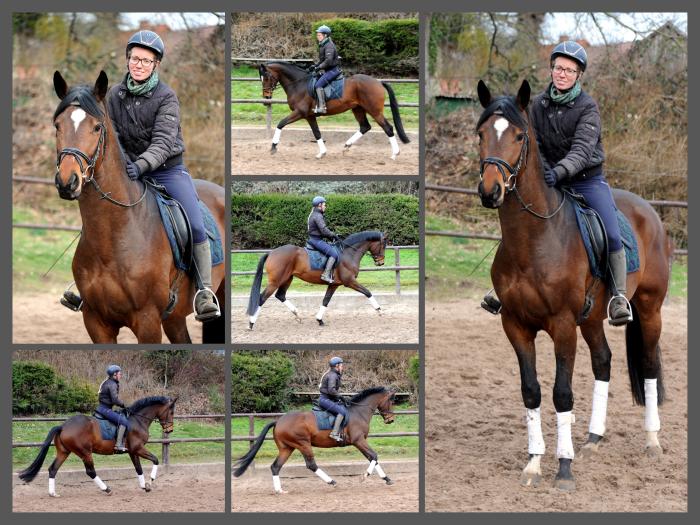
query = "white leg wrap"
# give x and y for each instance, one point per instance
(142, 481)
(652, 423)
(325, 477)
(276, 137)
(535, 440)
(321, 147)
(100, 483)
(254, 317)
(373, 302)
(533, 466)
(277, 484)
(600, 408)
(52, 486)
(394, 147)
(380, 471)
(565, 446)
(357, 136)
(372, 464)
(291, 306)
(320, 313)
(154, 471)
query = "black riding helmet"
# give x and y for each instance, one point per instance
(572, 50)
(146, 39)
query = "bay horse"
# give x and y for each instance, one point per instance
(286, 262)
(541, 275)
(299, 431)
(362, 94)
(81, 435)
(123, 265)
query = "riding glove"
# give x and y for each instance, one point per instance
(551, 178)
(132, 170)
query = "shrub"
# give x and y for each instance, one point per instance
(260, 381)
(413, 371)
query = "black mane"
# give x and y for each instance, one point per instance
(506, 106)
(371, 235)
(80, 96)
(367, 392)
(291, 68)
(147, 402)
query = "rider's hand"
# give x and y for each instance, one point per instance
(132, 170)
(550, 177)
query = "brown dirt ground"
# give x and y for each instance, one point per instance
(475, 422)
(310, 494)
(40, 318)
(349, 319)
(250, 154)
(172, 492)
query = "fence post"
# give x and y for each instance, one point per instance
(251, 432)
(166, 450)
(397, 263)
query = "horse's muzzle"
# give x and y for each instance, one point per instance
(492, 199)
(379, 262)
(71, 190)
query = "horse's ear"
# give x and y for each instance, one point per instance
(100, 89)
(484, 94)
(524, 95)
(172, 401)
(261, 69)
(59, 84)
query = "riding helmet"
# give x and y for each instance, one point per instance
(324, 29)
(149, 40)
(572, 50)
(335, 361)
(317, 200)
(113, 369)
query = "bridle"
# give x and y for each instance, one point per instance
(383, 414)
(275, 81)
(376, 258)
(167, 427)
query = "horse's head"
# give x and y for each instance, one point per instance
(269, 81)
(80, 133)
(386, 406)
(503, 142)
(166, 415)
(376, 250)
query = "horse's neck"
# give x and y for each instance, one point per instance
(365, 408)
(355, 252)
(286, 77)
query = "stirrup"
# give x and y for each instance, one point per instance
(208, 316)
(71, 300)
(620, 321)
(491, 304)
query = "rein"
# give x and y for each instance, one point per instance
(152, 419)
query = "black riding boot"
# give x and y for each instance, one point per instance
(321, 106)
(491, 303)
(619, 310)
(119, 444)
(335, 433)
(205, 306)
(327, 274)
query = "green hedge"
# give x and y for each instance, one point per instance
(385, 46)
(272, 220)
(36, 389)
(414, 371)
(260, 381)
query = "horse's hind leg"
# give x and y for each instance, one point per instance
(378, 115)
(317, 135)
(281, 295)
(280, 460)
(594, 335)
(361, 117)
(264, 296)
(310, 461)
(326, 300)
(90, 470)
(175, 329)
(62, 454)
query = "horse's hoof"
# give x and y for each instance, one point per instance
(320, 322)
(529, 479)
(250, 325)
(654, 452)
(107, 491)
(565, 485)
(147, 488)
(364, 477)
(332, 483)
(389, 481)
(320, 155)
(280, 491)
(589, 450)
(273, 150)
(54, 495)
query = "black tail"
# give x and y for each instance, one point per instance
(254, 299)
(635, 361)
(242, 463)
(29, 473)
(395, 114)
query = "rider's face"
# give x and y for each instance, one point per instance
(320, 36)
(339, 367)
(565, 73)
(322, 206)
(118, 376)
(138, 70)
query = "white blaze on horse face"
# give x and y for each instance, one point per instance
(52, 486)
(154, 471)
(325, 477)
(77, 117)
(652, 423)
(565, 446)
(276, 137)
(500, 126)
(600, 408)
(277, 484)
(142, 481)
(320, 313)
(535, 441)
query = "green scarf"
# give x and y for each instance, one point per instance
(141, 88)
(564, 97)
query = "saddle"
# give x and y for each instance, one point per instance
(333, 90)
(108, 430)
(317, 259)
(325, 419)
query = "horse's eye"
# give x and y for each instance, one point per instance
(97, 128)
(55, 125)
(519, 137)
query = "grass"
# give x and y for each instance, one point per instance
(254, 114)
(202, 452)
(386, 448)
(382, 281)
(450, 261)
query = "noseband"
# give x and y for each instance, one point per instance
(504, 166)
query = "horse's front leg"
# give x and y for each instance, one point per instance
(97, 328)
(139, 472)
(317, 135)
(353, 284)
(145, 454)
(594, 335)
(292, 117)
(326, 300)
(523, 341)
(147, 326)
(373, 459)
